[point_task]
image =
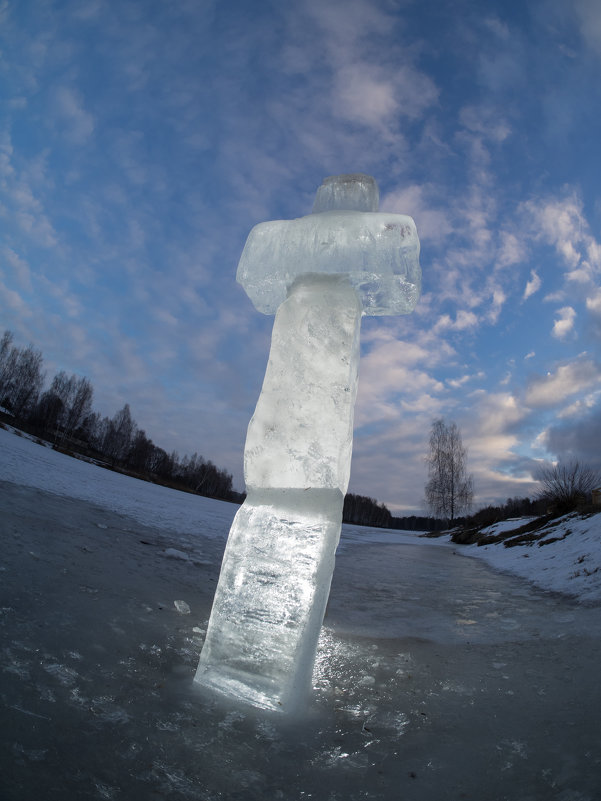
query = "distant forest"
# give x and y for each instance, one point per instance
(364, 511)
(63, 415)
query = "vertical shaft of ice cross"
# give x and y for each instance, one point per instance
(278, 563)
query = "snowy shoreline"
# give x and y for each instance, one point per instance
(566, 560)
(570, 565)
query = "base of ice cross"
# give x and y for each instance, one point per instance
(271, 597)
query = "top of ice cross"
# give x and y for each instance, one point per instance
(355, 192)
(377, 252)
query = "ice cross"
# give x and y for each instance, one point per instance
(319, 274)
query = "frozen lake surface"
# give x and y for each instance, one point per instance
(437, 677)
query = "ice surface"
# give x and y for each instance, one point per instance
(504, 708)
(320, 273)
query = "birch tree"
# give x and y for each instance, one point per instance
(449, 490)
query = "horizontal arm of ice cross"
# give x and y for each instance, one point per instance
(378, 253)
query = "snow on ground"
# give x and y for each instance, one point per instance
(567, 559)
(571, 565)
(23, 461)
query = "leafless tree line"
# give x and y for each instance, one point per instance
(63, 414)
(364, 511)
(21, 376)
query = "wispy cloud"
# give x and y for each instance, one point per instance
(564, 324)
(533, 285)
(589, 18)
(561, 222)
(567, 380)
(492, 434)
(580, 407)
(392, 376)
(512, 250)
(433, 220)
(485, 121)
(73, 120)
(18, 266)
(464, 320)
(457, 383)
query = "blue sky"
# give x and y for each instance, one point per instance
(141, 140)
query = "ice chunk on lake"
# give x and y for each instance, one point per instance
(378, 253)
(271, 597)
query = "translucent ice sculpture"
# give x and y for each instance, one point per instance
(319, 274)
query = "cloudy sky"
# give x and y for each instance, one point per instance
(140, 140)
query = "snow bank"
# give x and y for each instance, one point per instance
(23, 461)
(567, 559)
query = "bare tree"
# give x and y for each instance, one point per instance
(565, 486)
(141, 451)
(8, 364)
(75, 398)
(119, 435)
(48, 412)
(21, 376)
(449, 490)
(5, 347)
(60, 397)
(81, 405)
